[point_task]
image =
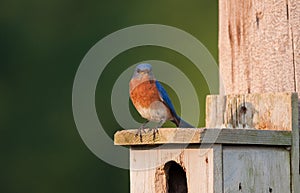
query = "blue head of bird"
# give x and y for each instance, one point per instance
(143, 71)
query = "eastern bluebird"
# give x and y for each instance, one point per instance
(151, 99)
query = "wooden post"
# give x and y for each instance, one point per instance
(259, 46)
(259, 51)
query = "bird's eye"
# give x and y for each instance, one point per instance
(138, 70)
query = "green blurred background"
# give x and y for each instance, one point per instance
(42, 43)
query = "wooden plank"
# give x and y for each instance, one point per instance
(205, 135)
(256, 169)
(246, 136)
(217, 169)
(269, 111)
(258, 43)
(147, 172)
(165, 135)
(295, 148)
(198, 162)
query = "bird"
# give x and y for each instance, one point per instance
(151, 100)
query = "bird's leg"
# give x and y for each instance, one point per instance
(155, 130)
(140, 129)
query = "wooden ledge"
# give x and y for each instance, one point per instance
(205, 135)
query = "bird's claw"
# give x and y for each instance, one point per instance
(139, 133)
(141, 130)
(155, 131)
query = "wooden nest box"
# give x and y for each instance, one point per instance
(251, 141)
(250, 144)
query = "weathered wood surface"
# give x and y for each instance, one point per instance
(217, 170)
(269, 111)
(200, 163)
(256, 169)
(260, 111)
(259, 46)
(295, 150)
(204, 135)
(259, 52)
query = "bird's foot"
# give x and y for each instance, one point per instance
(155, 131)
(139, 132)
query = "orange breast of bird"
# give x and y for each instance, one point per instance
(143, 94)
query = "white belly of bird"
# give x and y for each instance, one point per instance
(156, 112)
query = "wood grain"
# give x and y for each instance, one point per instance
(293, 7)
(256, 169)
(206, 136)
(147, 167)
(259, 46)
(269, 111)
(259, 52)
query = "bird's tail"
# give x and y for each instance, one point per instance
(179, 122)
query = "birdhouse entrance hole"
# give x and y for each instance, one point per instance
(175, 178)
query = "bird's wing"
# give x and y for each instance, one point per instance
(165, 97)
